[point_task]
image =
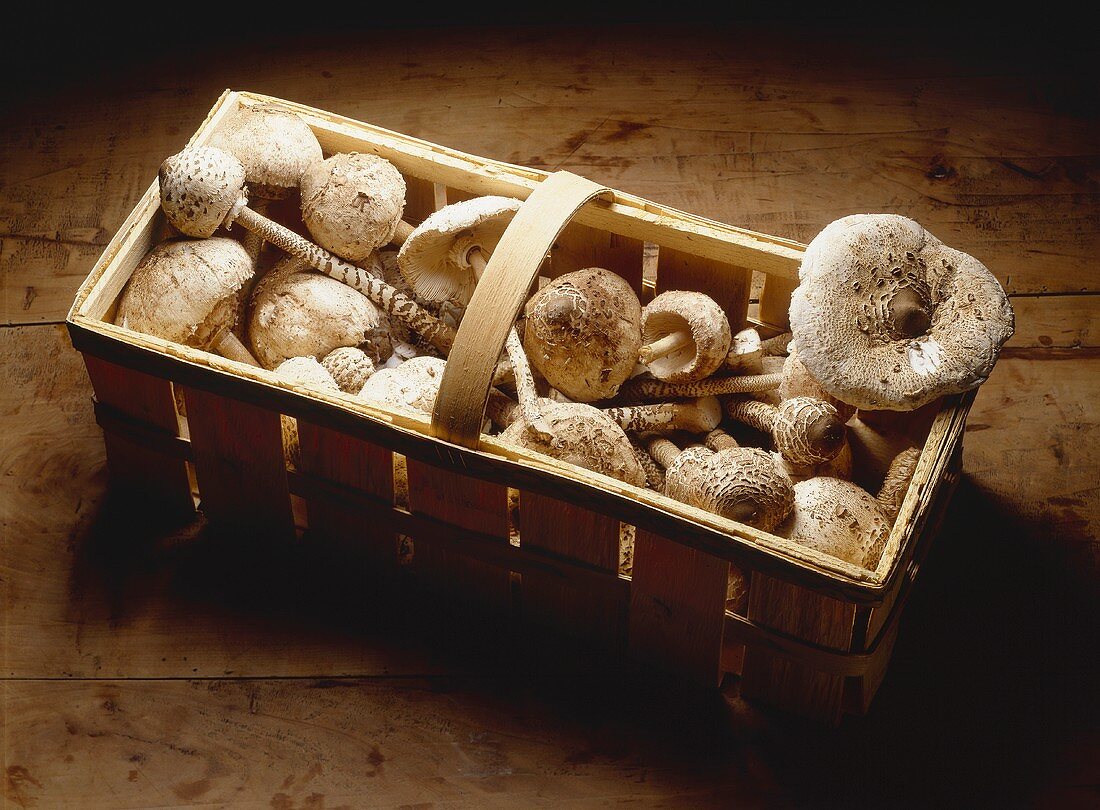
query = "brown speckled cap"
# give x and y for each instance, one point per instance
(201, 187)
(693, 314)
(887, 317)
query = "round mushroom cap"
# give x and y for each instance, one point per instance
(274, 145)
(887, 317)
(693, 312)
(298, 312)
(352, 203)
(434, 258)
(581, 435)
(839, 518)
(738, 483)
(307, 371)
(583, 332)
(410, 387)
(187, 290)
(200, 188)
(807, 431)
(350, 367)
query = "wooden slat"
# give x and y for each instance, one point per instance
(419, 199)
(595, 615)
(239, 464)
(727, 285)
(580, 246)
(775, 301)
(350, 462)
(469, 504)
(143, 474)
(775, 680)
(677, 609)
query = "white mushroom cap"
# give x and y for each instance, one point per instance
(199, 188)
(434, 258)
(298, 312)
(187, 290)
(307, 371)
(411, 387)
(352, 203)
(700, 316)
(274, 145)
(838, 518)
(887, 317)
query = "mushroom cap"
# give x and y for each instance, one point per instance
(433, 259)
(807, 431)
(582, 435)
(839, 466)
(274, 145)
(199, 188)
(410, 387)
(298, 312)
(187, 290)
(838, 518)
(799, 382)
(738, 483)
(583, 332)
(352, 203)
(350, 367)
(694, 312)
(887, 317)
(746, 355)
(307, 371)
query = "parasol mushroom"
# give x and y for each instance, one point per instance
(686, 336)
(806, 431)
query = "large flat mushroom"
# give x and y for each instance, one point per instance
(887, 317)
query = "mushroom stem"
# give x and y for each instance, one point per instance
(501, 409)
(654, 473)
(896, 483)
(714, 386)
(478, 261)
(525, 386)
(718, 440)
(694, 417)
(402, 233)
(908, 313)
(252, 242)
(669, 344)
(230, 346)
(780, 344)
(662, 451)
(806, 431)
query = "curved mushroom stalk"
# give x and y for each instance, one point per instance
(806, 431)
(686, 336)
(641, 388)
(202, 189)
(189, 291)
(693, 417)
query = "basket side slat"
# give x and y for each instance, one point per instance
(350, 462)
(677, 608)
(775, 301)
(419, 199)
(240, 466)
(583, 611)
(145, 473)
(776, 680)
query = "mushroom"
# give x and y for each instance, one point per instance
(654, 472)
(583, 333)
(839, 466)
(686, 334)
(799, 382)
(202, 188)
(308, 372)
(641, 388)
(352, 203)
(188, 291)
(844, 520)
(275, 146)
(806, 431)
(697, 416)
(887, 317)
(777, 346)
(298, 312)
(746, 353)
(411, 387)
(350, 367)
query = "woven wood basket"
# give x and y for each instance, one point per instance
(816, 635)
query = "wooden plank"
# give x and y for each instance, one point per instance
(471, 504)
(727, 285)
(779, 682)
(579, 247)
(419, 199)
(240, 467)
(142, 475)
(593, 616)
(775, 301)
(677, 609)
(1056, 321)
(350, 462)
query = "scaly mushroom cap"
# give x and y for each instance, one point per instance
(839, 466)
(298, 312)
(887, 317)
(350, 367)
(434, 259)
(411, 387)
(897, 480)
(187, 290)
(583, 332)
(352, 203)
(693, 312)
(799, 382)
(200, 188)
(582, 435)
(807, 431)
(838, 518)
(274, 145)
(307, 371)
(739, 483)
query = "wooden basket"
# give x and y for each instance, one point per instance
(817, 632)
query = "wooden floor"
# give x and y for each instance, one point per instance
(140, 668)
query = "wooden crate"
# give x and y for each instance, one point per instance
(816, 636)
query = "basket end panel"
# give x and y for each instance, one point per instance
(726, 284)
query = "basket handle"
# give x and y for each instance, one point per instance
(496, 302)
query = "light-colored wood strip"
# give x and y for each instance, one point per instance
(677, 609)
(775, 301)
(150, 478)
(596, 616)
(1056, 321)
(239, 464)
(727, 285)
(419, 199)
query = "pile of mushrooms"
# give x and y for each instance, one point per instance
(670, 395)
